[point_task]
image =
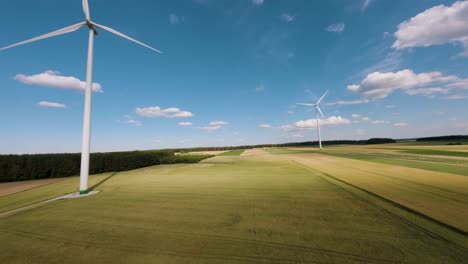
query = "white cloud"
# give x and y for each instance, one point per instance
(156, 111)
(461, 83)
(211, 128)
(265, 126)
(51, 104)
(53, 79)
(390, 106)
(175, 19)
(312, 123)
(400, 124)
(287, 17)
(427, 91)
(185, 124)
(358, 118)
(379, 85)
(435, 26)
(456, 97)
(260, 88)
(340, 27)
(351, 102)
(219, 123)
(353, 87)
(257, 2)
(379, 122)
(215, 125)
(366, 4)
(134, 122)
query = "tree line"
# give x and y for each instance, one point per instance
(444, 138)
(43, 166)
(293, 144)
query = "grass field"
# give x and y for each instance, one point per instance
(293, 206)
(232, 153)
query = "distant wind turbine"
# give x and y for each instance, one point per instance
(317, 111)
(84, 171)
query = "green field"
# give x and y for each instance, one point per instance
(275, 206)
(232, 153)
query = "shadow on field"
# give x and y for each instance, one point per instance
(92, 188)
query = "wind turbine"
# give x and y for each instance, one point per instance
(317, 111)
(84, 170)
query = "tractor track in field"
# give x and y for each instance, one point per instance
(330, 178)
(41, 203)
(402, 182)
(304, 251)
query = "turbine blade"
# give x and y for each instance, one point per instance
(49, 35)
(113, 31)
(86, 9)
(320, 111)
(321, 98)
(305, 104)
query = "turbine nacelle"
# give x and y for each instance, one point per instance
(91, 26)
(316, 105)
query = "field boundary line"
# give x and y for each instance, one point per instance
(57, 198)
(398, 206)
(400, 165)
(411, 159)
(47, 184)
(402, 182)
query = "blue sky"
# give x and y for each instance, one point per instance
(234, 71)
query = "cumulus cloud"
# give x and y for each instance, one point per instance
(51, 104)
(379, 122)
(400, 124)
(185, 124)
(211, 128)
(257, 2)
(456, 97)
(435, 26)
(134, 122)
(287, 17)
(219, 123)
(156, 111)
(360, 118)
(379, 85)
(339, 27)
(265, 126)
(53, 79)
(175, 19)
(427, 91)
(312, 123)
(351, 102)
(215, 125)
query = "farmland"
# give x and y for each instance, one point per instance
(346, 204)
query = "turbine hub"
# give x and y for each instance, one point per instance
(91, 26)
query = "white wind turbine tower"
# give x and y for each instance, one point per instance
(84, 170)
(317, 111)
